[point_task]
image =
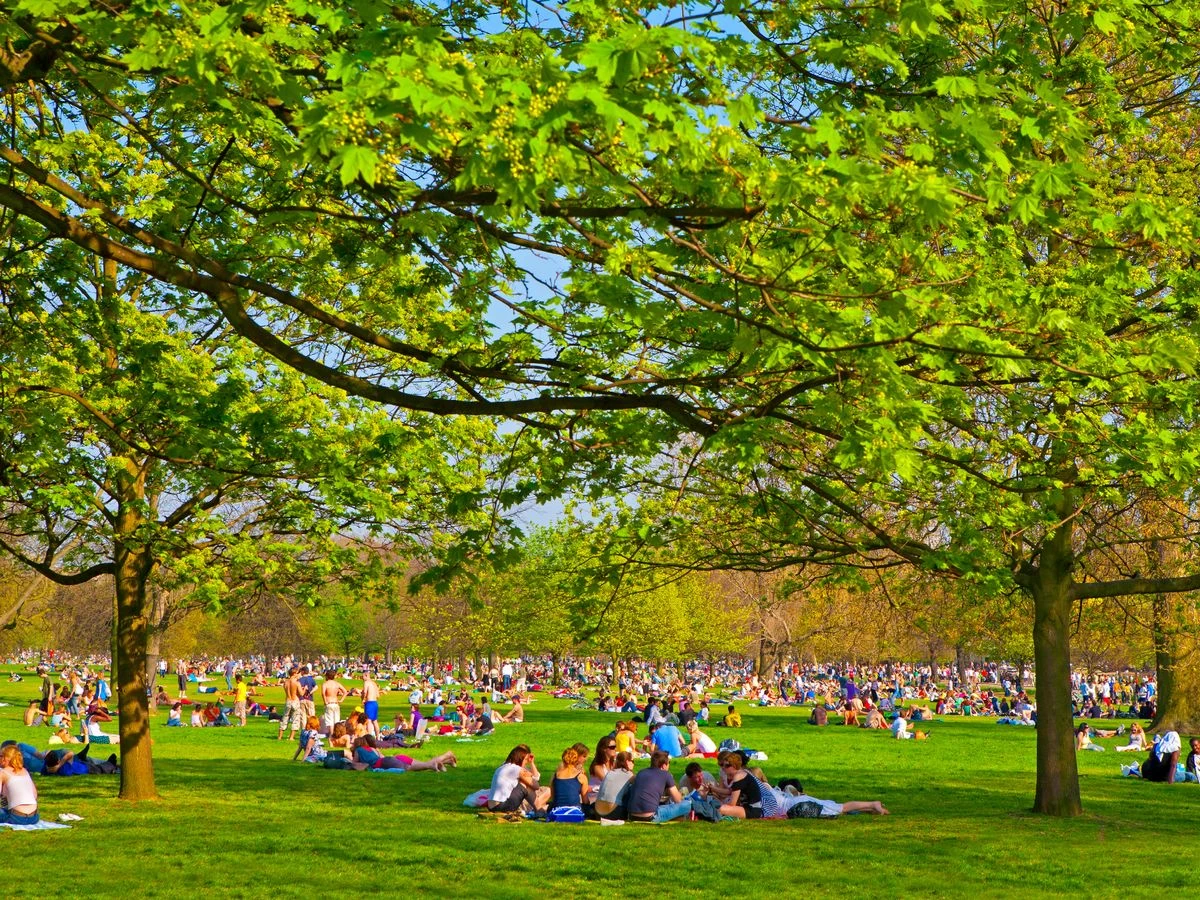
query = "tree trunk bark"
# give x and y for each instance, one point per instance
(1175, 647)
(554, 680)
(960, 662)
(133, 566)
(1057, 771)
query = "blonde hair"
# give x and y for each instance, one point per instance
(570, 757)
(11, 758)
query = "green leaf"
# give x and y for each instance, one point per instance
(356, 162)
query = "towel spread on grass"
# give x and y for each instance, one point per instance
(40, 826)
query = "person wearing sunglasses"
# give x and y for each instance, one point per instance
(745, 795)
(602, 764)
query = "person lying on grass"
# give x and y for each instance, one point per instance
(64, 762)
(789, 795)
(367, 755)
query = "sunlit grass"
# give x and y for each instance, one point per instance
(239, 819)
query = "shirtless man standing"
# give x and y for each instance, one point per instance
(291, 708)
(332, 693)
(370, 696)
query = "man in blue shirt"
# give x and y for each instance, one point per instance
(668, 739)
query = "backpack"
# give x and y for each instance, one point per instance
(729, 744)
(565, 815)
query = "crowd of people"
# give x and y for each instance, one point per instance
(681, 706)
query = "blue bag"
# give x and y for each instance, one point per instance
(566, 815)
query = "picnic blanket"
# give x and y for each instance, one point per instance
(40, 826)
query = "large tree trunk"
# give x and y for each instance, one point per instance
(1175, 646)
(133, 566)
(554, 679)
(960, 662)
(1057, 771)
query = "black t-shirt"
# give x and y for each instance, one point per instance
(685, 716)
(749, 796)
(649, 785)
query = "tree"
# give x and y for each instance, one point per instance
(916, 280)
(151, 448)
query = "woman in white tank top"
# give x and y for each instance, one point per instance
(17, 789)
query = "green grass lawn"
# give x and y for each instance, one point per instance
(238, 818)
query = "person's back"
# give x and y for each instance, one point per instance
(647, 790)
(566, 791)
(668, 739)
(613, 793)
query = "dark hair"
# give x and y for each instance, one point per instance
(52, 758)
(693, 768)
(517, 754)
(601, 757)
(658, 758)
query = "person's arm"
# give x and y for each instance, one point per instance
(1172, 762)
(674, 794)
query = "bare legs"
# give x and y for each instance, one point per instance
(867, 806)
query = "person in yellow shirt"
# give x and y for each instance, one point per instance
(733, 719)
(241, 691)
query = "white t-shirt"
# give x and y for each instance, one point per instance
(504, 780)
(507, 670)
(900, 727)
(707, 744)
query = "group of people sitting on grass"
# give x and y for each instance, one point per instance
(608, 788)
(1163, 764)
(353, 745)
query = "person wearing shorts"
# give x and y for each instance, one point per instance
(332, 693)
(293, 717)
(370, 694)
(308, 687)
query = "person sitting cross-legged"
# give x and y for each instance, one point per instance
(650, 787)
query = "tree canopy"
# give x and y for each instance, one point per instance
(904, 281)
